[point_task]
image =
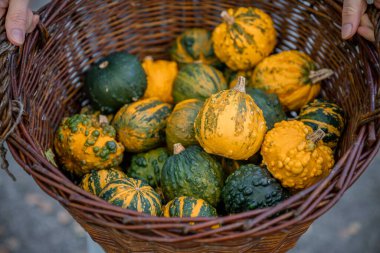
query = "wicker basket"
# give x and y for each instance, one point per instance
(41, 83)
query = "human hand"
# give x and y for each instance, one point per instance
(19, 19)
(355, 19)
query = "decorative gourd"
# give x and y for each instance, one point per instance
(292, 75)
(197, 81)
(132, 194)
(194, 173)
(246, 36)
(269, 104)
(194, 46)
(324, 115)
(230, 124)
(147, 166)
(180, 125)
(188, 207)
(160, 76)
(294, 154)
(141, 125)
(251, 187)
(83, 145)
(114, 81)
(96, 180)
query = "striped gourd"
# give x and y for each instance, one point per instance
(96, 180)
(141, 125)
(188, 207)
(133, 194)
(327, 116)
(197, 81)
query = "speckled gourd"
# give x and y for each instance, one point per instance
(160, 77)
(180, 124)
(295, 155)
(141, 125)
(194, 46)
(133, 194)
(83, 145)
(251, 187)
(292, 75)
(230, 124)
(246, 36)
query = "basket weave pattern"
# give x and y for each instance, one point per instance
(41, 83)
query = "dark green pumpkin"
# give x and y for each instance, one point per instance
(194, 173)
(269, 104)
(198, 81)
(147, 166)
(114, 81)
(194, 46)
(132, 194)
(327, 116)
(188, 207)
(180, 124)
(251, 187)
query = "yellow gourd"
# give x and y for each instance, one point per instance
(295, 155)
(230, 124)
(160, 77)
(83, 145)
(245, 38)
(292, 75)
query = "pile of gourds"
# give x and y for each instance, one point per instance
(207, 133)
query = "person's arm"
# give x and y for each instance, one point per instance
(19, 19)
(355, 19)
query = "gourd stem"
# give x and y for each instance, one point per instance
(178, 148)
(104, 65)
(230, 20)
(319, 75)
(316, 136)
(240, 86)
(148, 58)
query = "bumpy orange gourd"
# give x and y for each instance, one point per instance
(245, 38)
(83, 145)
(295, 155)
(160, 77)
(230, 124)
(292, 75)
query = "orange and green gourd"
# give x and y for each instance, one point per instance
(114, 81)
(96, 180)
(147, 166)
(230, 124)
(246, 36)
(292, 75)
(194, 46)
(83, 145)
(160, 76)
(180, 125)
(324, 115)
(198, 81)
(141, 125)
(295, 155)
(194, 173)
(251, 187)
(133, 194)
(188, 207)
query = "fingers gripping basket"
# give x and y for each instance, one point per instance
(41, 83)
